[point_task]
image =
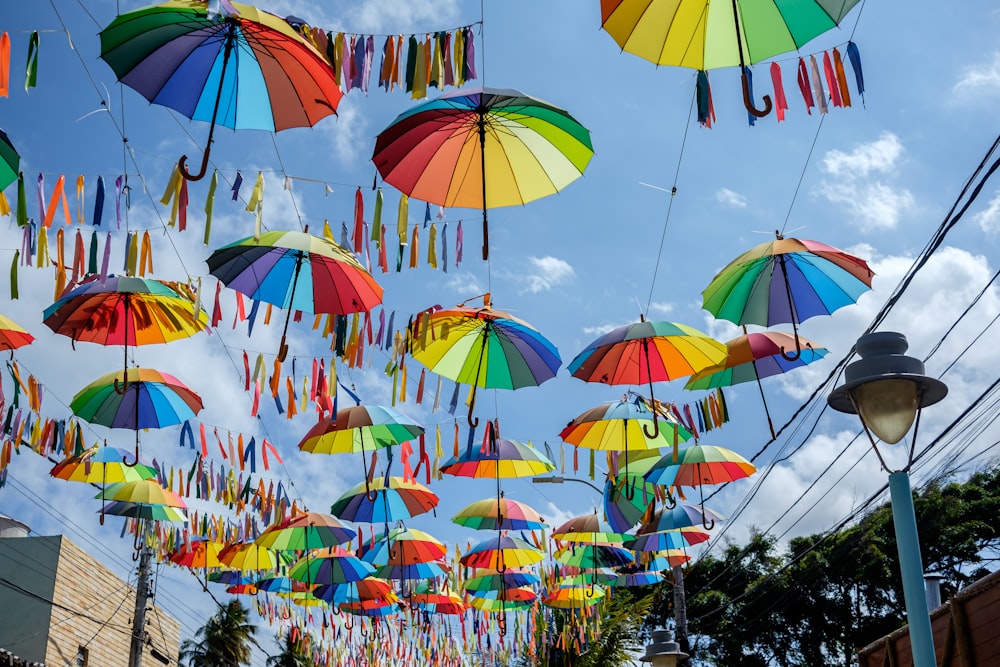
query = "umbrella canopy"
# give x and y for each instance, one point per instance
(145, 491)
(283, 586)
(505, 458)
(12, 335)
(482, 148)
(399, 500)
(372, 610)
(518, 594)
(150, 399)
(718, 33)
(573, 597)
(330, 566)
(619, 426)
(404, 546)
(413, 571)
(308, 530)
(144, 511)
(429, 598)
(500, 606)
(594, 556)
(484, 348)
(249, 557)
(492, 580)
(627, 495)
(500, 552)
(499, 514)
(198, 553)
(700, 464)
(370, 589)
(647, 352)
(360, 428)
(682, 515)
(10, 161)
(586, 528)
(677, 538)
(786, 281)
(101, 465)
(240, 67)
(123, 310)
(637, 578)
(296, 271)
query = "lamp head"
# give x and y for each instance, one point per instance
(886, 387)
(662, 651)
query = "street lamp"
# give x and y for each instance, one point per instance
(554, 479)
(663, 651)
(887, 390)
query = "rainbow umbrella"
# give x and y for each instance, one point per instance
(249, 557)
(281, 585)
(633, 578)
(583, 578)
(484, 348)
(721, 33)
(145, 491)
(786, 281)
(627, 495)
(664, 540)
(493, 580)
(500, 552)
(230, 577)
(427, 597)
(334, 565)
(197, 553)
(10, 161)
(499, 458)
(404, 546)
(482, 148)
(242, 589)
(518, 594)
(296, 271)
(644, 353)
(754, 356)
(697, 465)
(139, 398)
(586, 528)
(573, 597)
(12, 335)
(306, 530)
(594, 556)
(234, 66)
(413, 571)
(146, 511)
(399, 500)
(682, 515)
(492, 605)
(373, 610)
(371, 589)
(499, 514)
(101, 465)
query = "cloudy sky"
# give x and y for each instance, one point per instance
(876, 179)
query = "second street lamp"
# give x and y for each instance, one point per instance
(887, 390)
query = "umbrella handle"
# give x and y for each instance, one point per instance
(182, 163)
(669, 503)
(794, 356)
(121, 387)
(590, 589)
(136, 461)
(629, 490)
(502, 622)
(704, 520)
(473, 421)
(748, 101)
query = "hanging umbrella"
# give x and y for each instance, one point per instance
(370, 589)
(230, 577)
(627, 494)
(307, 530)
(664, 540)
(633, 578)
(754, 356)
(360, 428)
(427, 597)
(482, 148)
(10, 161)
(296, 271)
(587, 529)
(786, 281)
(197, 553)
(404, 546)
(484, 348)
(413, 571)
(334, 565)
(612, 426)
(593, 556)
(240, 67)
(373, 610)
(492, 580)
(141, 398)
(519, 594)
(12, 336)
(508, 458)
(101, 465)
(573, 597)
(493, 605)
(644, 353)
(399, 500)
(697, 465)
(282, 586)
(146, 511)
(708, 34)
(500, 552)
(682, 515)
(499, 514)
(249, 557)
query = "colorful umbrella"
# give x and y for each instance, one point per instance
(426, 596)
(500, 606)
(754, 356)
(10, 161)
(238, 67)
(12, 336)
(786, 281)
(500, 552)
(370, 589)
(230, 577)
(413, 571)
(360, 428)
(330, 566)
(697, 465)
(144, 511)
(308, 530)
(141, 398)
(484, 348)
(101, 465)
(400, 500)
(492, 580)
(283, 586)
(249, 557)
(573, 597)
(499, 514)
(587, 529)
(146, 491)
(198, 553)
(404, 546)
(594, 556)
(664, 540)
(296, 271)
(518, 594)
(482, 148)
(682, 515)
(721, 33)
(627, 495)
(505, 458)
(630, 579)
(644, 353)
(373, 610)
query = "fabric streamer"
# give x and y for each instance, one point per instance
(831, 80)
(458, 244)
(703, 94)
(99, 202)
(855, 57)
(210, 205)
(4, 63)
(845, 92)
(802, 78)
(31, 69)
(780, 102)
(748, 73)
(817, 84)
(237, 182)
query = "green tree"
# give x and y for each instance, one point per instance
(224, 640)
(292, 654)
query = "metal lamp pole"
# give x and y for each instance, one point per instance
(887, 390)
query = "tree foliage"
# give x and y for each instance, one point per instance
(292, 654)
(224, 640)
(827, 596)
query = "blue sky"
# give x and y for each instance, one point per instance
(875, 179)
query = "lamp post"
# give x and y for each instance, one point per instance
(887, 390)
(662, 650)
(554, 479)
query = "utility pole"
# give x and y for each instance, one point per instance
(680, 610)
(141, 598)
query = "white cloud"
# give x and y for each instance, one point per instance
(371, 16)
(661, 308)
(465, 284)
(548, 272)
(853, 182)
(731, 199)
(349, 132)
(979, 80)
(601, 329)
(989, 218)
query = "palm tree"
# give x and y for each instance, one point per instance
(292, 654)
(224, 641)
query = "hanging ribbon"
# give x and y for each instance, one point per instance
(31, 69)
(780, 102)
(210, 204)
(256, 204)
(4, 64)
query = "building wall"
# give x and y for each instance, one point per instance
(91, 608)
(27, 580)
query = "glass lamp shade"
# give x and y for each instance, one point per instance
(887, 407)
(664, 661)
